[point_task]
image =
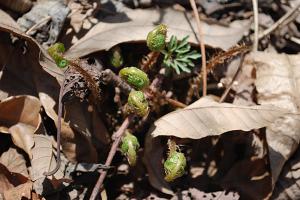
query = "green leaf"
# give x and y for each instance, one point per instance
(183, 50)
(174, 66)
(183, 42)
(182, 66)
(172, 44)
(178, 55)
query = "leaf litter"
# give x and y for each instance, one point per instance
(235, 150)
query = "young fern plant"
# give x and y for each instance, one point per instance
(178, 55)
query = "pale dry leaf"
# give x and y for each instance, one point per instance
(7, 19)
(14, 161)
(118, 29)
(206, 118)
(19, 116)
(288, 183)
(221, 195)
(23, 109)
(19, 192)
(43, 160)
(22, 136)
(9, 179)
(278, 84)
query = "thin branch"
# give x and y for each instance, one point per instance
(175, 103)
(38, 24)
(280, 21)
(58, 131)
(255, 12)
(224, 95)
(109, 76)
(117, 136)
(202, 46)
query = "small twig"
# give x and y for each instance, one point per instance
(295, 40)
(38, 24)
(58, 131)
(224, 95)
(109, 76)
(175, 103)
(279, 22)
(255, 12)
(117, 136)
(202, 46)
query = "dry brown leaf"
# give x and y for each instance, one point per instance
(9, 179)
(235, 161)
(20, 117)
(221, 195)
(20, 109)
(118, 29)
(5, 18)
(26, 75)
(43, 160)
(278, 84)
(14, 162)
(21, 191)
(288, 183)
(206, 118)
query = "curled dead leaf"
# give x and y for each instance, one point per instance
(20, 117)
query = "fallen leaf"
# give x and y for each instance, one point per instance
(118, 29)
(19, 116)
(206, 118)
(35, 73)
(278, 84)
(55, 11)
(9, 179)
(5, 18)
(19, 192)
(288, 183)
(43, 160)
(224, 195)
(14, 162)
(235, 160)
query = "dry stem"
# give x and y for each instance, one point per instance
(202, 46)
(280, 21)
(224, 95)
(38, 24)
(117, 136)
(255, 12)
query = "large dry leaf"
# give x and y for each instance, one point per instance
(9, 180)
(278, 84)
(206, 118)
(118, 29)
(20, 117)
(14, 161)
(5, 18)
(288, 183)
(43, 160)
(19, 192)
(36, 74)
